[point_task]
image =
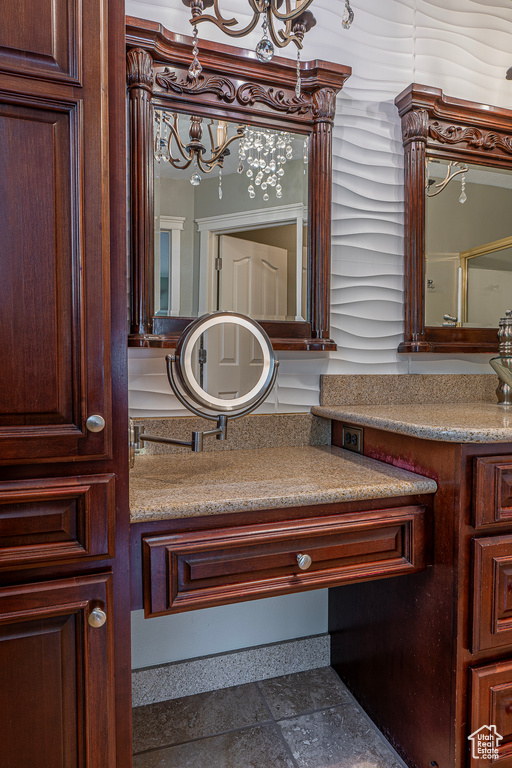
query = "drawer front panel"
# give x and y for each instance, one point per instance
(493, 491)
(201, 569)
(492, 593)
(491, 715)
(66, 518)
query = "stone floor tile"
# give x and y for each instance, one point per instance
(195, 717)
(303, 692)
(257, 747)
(339, 737)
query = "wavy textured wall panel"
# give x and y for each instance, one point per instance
(461, 46)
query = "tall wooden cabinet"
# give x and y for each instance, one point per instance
(64, 600)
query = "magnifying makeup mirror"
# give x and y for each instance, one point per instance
(223, 368)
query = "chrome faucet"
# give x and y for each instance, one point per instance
(503, 363)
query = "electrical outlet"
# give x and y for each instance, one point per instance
(352, 438)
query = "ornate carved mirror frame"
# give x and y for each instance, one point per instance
(434, 125)
(233, 86)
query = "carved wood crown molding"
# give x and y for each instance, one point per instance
(246, 94)
(474, 137)
(415, 126)
(220, 86)
(139, 69)
(250, 93)
(324, 105)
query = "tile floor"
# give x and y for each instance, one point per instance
(304, 720)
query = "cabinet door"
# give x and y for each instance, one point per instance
(56, 675)
(490, 725)
(492, 593)
(54, 225)
(492, 497)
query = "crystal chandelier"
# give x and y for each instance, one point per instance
(293, 23)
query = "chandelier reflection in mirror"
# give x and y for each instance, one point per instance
(168, 140)
(453, 169)
(262, 153)
(265, 152)
(292, 16)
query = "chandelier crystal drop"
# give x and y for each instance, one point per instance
(348, 16)
(265, 49)
(266, 153)
(195, 68)
(463, 197)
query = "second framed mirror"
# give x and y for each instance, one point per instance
(458, 197)
(230, 189)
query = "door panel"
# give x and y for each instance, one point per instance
(41, 37)
(38, 262)
(253, 278)
(54, 248)
(55, 672)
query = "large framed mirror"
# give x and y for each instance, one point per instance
(230, 189)
(457, 227)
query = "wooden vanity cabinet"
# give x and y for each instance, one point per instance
(64, 519)
(430, 657)
(206, 561)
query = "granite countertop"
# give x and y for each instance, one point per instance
(193, 484)
(449, 422)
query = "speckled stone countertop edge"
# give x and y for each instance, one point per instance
(263, 479)
(350, 493)
(452, 433)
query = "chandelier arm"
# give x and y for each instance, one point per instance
(224, 24)
(258, 6)
(231, 32)
(188, 156)
(449, 176)
(217, 157)
(212, 140)
(207, 166)
(288, 15)
(175, 162)
(283, 38)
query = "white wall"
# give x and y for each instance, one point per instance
(461, 46)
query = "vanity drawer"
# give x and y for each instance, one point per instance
(492, 592)
(60, 518)
(491, 705)
(492, 499)
(192, 570)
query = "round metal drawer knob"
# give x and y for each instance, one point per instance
(97, 617)
(304, 561)
(95, 423)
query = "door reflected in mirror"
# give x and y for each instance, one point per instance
(227, 361)
(233, 236)
(468, 244)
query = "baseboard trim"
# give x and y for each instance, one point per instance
(222, 670)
